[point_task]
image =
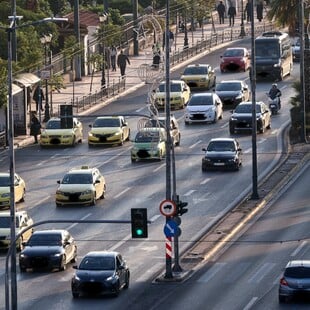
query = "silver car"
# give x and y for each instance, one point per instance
(295, 280)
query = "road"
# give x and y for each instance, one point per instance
(246, 277)
(129, 185)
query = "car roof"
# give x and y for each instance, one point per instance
(223, 139)
(83, 169)
(236, 48)
(203, 95)
(50, 232)
(173, 82)
(102, 253)
(58, 119)
(198, 65)
(109, 117)
(4, 174)
(145, 129)
(231, 81)
(298, 263)
(250, 102)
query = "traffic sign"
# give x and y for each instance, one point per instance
(167, 207)
(171, 229)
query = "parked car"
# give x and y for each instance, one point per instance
(296, 50)
(235, 59)
(19, 189)
(241, 119)
(160, 122)
(108, 130)
(295, 280)
(149, 144)
(82, 185)
(204, 107)
(222, 153)
(48, 249)
(58, 132)
(199, 76)
(22, 222)
(179, 95)
(100, 272)
(232, 92)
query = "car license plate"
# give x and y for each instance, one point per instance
(218, 164)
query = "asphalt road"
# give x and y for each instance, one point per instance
(209, 195)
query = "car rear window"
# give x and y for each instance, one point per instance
(107, 122)
(234, 53)
(200, 100)
(173, 88)
(247, 108)
(195, 70)
(297, 272)
(228, 86)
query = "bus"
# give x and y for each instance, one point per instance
(273, 55)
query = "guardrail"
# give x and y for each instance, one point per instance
(179, 55)
(2, 138)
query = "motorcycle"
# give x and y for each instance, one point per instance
(274, 104)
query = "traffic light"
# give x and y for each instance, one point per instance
(139, 223)
(181, 207)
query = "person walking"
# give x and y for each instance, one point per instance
(122, 61)
(38, 97)
(248, 10)
(221, 11)
(35, 127)
(113, 54)
(259, 10)
(231, 13)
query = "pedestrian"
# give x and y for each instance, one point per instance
(171, 39)
(113, 54)
(248, 11)
(259, 10)
(122, 61)
(221, 11)
(38, 97)
(35, 127)
(231, 13)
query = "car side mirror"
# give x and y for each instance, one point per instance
(58, 181)
(90, 126)
(75, 267)
(204, 149)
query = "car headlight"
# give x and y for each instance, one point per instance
(87, 192)
(233, 118)
(5, 195)
(239, 96)
(207, 159)
(59, 192)
(178, 98)
(21, 255)
(56, 254)
(76, 279)
(277, 64)
(44, 135)
(90, 134)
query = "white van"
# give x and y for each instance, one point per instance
(23, 220)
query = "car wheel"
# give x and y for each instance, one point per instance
(122, 141)
(186, 123)
(73, 260)
(73, 141)
(103, 192)
(269, 125)
(231, 130)
(63, 263)
(127, 281)
(23, 196)
(262, 129)
(128, 138)
(58, 205)
(75, 295)
(133, 160)
(203, 168)
(93, 203)
(178, 141)
(282, 299)
(117, 289)
(215, 118)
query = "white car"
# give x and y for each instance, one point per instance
(204, 107)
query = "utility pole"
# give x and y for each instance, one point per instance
(135, 28)
(78, 75)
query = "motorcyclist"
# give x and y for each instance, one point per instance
(274, 93)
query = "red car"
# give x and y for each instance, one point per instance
(235, 59)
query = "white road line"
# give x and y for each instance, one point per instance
(155, 217)
(247, 151)
(122, 192)
(225, 125)
(261, 272)
(159, 167)
(83, 218)
(251, 303)
(274, 131)
(299, 248)
(139, 110)
(195, 144)
(190, 192)
(261, 141)
(149, 273)
(42, 200)
(211, 273)
(118, 244)
(205, 181)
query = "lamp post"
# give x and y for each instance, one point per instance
(102, 19)
(10, 31)
(185, 33)
(242, 32)
(46, 40)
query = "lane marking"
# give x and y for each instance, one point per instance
(120, 243)
(262, 141)
(248, 150)
(122, 192)
(159, 167)
(251, 303)
(298, 249)
(190, 192)
(195, 144)
(83, 218)
(155, 217)
(211, 273)
(205, 181)
(261, 272)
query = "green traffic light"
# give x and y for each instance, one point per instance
(139, 232)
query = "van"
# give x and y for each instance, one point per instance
(273, 55)
(23, 221)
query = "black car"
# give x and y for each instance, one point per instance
(232, 92)
(48, 249)
(222, 153)
(100, 272)
(241, 119)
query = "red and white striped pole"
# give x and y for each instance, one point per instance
(168, 274)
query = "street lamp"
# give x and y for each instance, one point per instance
(46, 40)
(10, 33)
(185, 33)
(102, 20)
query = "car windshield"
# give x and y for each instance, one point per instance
(77, 178)
(297, 272)
(200, 100)
(97, 263)
(267, 49)
(196, 71)
(45, 239)
(4, 181)
(221, 146)
(155, 123)
(234, 53)
(228, 87)
(106, 122)
(247, 108)
(147, 137)
(53, 124)
(174, 87)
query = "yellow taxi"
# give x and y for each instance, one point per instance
(19, 189)
(83, 185)
(55, 133)
(199, 76)
(149, 144)
(180, 94)
(108, 130)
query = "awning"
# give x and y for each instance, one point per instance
(16, 89)
(26, 79)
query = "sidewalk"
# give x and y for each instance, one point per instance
(87, 85)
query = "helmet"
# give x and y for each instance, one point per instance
(274, 85)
